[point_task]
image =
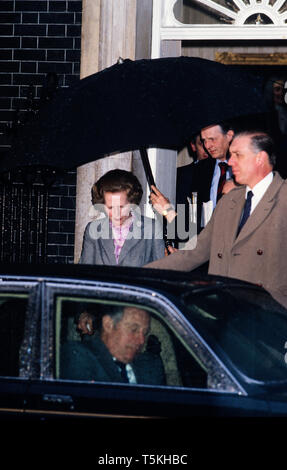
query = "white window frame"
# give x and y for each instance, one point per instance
(166, 27)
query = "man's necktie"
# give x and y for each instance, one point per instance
(223, 169)
(123, 370)
(246, 211)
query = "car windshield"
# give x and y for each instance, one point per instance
(247, 326)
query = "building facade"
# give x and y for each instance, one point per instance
(71, 39)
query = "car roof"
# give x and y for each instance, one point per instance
(154, 278)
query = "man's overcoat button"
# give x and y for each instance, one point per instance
(219, 255)
(259, 252)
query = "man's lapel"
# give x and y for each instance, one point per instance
(262, 210)
(233, 214)
(206, 180)
(104, 357)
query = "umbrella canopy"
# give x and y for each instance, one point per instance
(133, 105)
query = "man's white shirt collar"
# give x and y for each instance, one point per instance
(259, 190)
(130, 373)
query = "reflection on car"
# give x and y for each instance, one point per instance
(174, 345)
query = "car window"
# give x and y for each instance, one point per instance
(245, 325)
(12, 319)
(161, 358)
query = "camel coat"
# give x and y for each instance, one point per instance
(257, 255)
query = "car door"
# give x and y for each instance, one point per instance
(195, 381)
(19, 334)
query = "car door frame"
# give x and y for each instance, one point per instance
(14, 391)
(62, 396)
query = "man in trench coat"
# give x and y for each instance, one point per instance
(258, 253)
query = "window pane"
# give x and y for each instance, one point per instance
(247, 326)
(193, 12)
(12, 320)
(88, 343)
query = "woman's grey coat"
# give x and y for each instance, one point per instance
(144, 243)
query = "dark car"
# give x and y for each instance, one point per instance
(222, 344)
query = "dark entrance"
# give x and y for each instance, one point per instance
(24, 220)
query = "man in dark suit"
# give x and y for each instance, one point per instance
(184, 176)
(114, 354)
(205, 179)
(211, 174)
(184, 188)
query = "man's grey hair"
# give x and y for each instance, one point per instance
(115, 312)
(260, 141)
(225, 127)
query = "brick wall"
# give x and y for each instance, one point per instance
(38, 37)
(61, 225)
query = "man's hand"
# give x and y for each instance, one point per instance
(170, 249)
(158, 200)
(85, 324)
(161, 204)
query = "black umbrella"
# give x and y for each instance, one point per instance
(135, 105)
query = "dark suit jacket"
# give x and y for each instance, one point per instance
(91, 360)
(202, 184)
(196, 177)
(184, 180)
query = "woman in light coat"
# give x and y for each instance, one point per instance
(122, 236)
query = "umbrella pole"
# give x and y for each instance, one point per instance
(147, 168)
(151, 182)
